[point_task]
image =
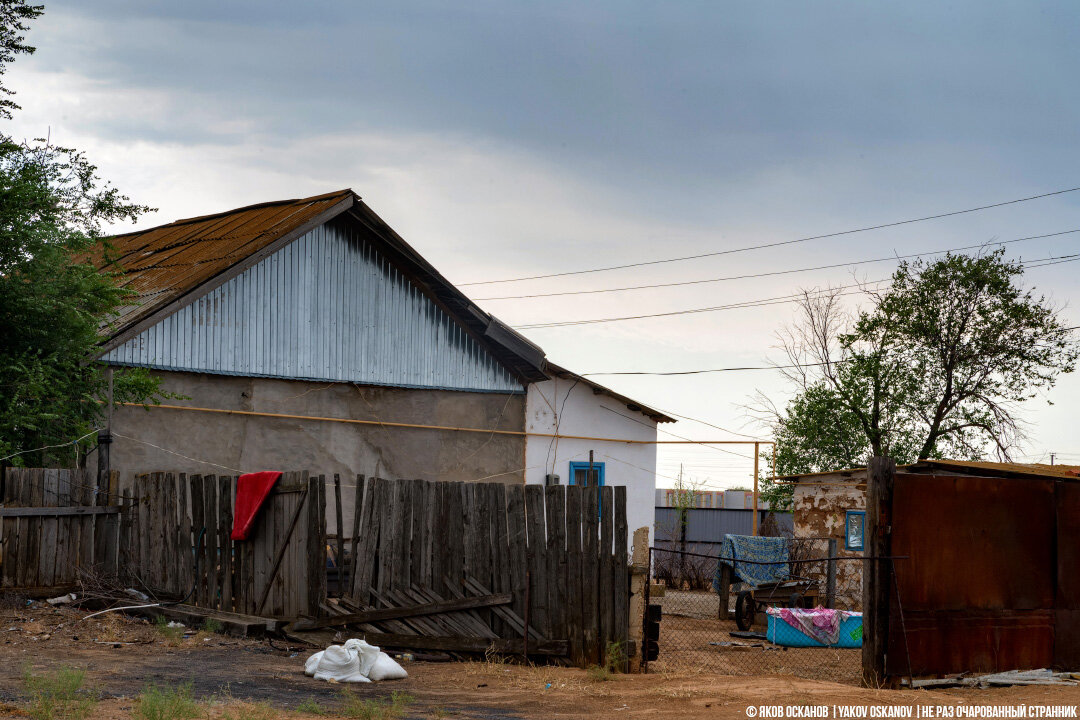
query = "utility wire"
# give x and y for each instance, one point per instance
(779, 300)
(777, 244)
(772, 273)
(715, 370)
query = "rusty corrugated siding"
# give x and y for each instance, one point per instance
(1067, 634)
(978, 587)
(163, 263)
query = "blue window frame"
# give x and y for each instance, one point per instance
(854, 530)
(580, 475)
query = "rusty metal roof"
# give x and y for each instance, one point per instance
(1033, 469)
(996, 468)
(164, 263)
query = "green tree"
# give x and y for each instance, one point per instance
(55, 303)
(936, 366)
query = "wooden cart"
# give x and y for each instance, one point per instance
(793, 592)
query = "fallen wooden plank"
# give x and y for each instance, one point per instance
(393, 613)
(53, 511)
(467, 644)
(231, 623)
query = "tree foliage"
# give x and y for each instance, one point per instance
(936, 366)
(54, 302)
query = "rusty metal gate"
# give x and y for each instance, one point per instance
(1067, 631)
(980, 591)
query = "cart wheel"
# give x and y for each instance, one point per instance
(744, 610)
(795, 600)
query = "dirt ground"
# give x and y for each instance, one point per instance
(694, 639)
(122, 655)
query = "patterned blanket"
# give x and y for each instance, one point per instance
(758, 549)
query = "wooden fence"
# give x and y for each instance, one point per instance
(178, 544)
(431, 565)
(559, 552)
(52, 523)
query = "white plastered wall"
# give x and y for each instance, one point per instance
(574, 409)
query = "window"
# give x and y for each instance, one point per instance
(581, 475)
(854, 522)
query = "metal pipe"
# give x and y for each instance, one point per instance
(756, 454)
(486, 431)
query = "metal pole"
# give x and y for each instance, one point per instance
(756, 446)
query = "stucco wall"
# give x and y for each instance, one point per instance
(819, 508)
(230, 444)
(576, 410)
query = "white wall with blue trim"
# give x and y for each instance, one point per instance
(567, 407)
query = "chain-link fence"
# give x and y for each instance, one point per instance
(699, 633)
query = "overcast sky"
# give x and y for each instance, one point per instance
(507, 139)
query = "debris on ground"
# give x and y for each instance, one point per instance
(1011, 678)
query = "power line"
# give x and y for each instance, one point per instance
(772, 273)
(714, 370)
(668, 432)
(779, 300)
(776, 244)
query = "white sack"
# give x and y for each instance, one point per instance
(385, 668)
(368, 654)
(312, 663)
(340, 665)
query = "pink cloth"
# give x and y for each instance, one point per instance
(822, 624)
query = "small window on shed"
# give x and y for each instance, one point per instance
(854, 522)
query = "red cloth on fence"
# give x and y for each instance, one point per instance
(251, 491)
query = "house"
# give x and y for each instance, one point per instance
(306, 334)
(832, 505)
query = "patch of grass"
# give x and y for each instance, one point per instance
(375, 708)
(311, 706)
(58, 694)
(212, 625)
(614, 663)
(167, 703)
(250, 711)
(171, 634)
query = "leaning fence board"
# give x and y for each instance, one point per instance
(555, 585)
(538, 585)
(606, 572)
(590, 609)
(358, 505)
(467, 644)
(225, 516)
(573, 572)
(621, 580)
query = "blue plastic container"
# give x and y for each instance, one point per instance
(780, 632)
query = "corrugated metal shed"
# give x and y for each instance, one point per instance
(327, 306)
(705, 525)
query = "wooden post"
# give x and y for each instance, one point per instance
(756, 446)
(105, 436)
(725, 591)
(830, 575)
(876, 572)
(340, 529)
